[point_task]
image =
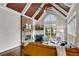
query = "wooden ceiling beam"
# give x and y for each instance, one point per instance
(32, 9)
(16, 6)
(63, 6)
(64, 13)
(26, 8)
(39, 9)
(42, 10)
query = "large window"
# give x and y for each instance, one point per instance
(72, 29)
(50, 26)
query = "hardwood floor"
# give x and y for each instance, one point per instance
(12, 52)
(18, 52)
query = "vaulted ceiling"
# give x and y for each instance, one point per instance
(36, 10)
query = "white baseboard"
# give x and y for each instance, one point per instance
(10, 48)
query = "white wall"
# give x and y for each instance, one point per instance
(77, 10)
(9, 29)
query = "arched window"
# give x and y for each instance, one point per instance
(49, 19)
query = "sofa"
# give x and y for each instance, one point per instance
(37, 49)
